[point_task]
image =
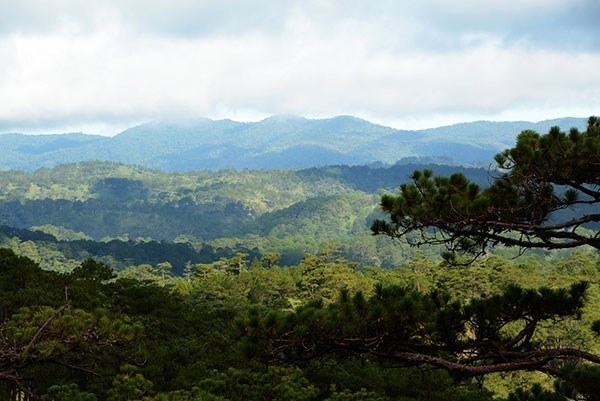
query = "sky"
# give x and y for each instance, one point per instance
(100, 66)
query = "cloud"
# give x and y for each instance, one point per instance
(547, 22)
(189, 18)
(102, 61)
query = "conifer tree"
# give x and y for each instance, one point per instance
(546, 196)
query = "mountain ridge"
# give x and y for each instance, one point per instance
(285, 141)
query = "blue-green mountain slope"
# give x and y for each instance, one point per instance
(276, 142)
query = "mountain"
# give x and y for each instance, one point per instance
(276, 142)
(30, 152)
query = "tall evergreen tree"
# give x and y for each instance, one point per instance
(541, 176)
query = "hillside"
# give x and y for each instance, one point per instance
(276, 142)
(219, 213)
(104, 199)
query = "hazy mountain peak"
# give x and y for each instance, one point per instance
(283, 118)
(344, 117)
(279, 141)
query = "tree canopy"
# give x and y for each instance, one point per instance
(405, 328)
(544, 197)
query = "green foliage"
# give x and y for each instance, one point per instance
(542, 175)
(92, 270)
(69, 392)
(580, 381)
(183, 336)
(61, 233)
(577, 383)
(133, 210)
(535, 393)
(129, 385)
(275, 383)
(323, 275)
(408, 327)
(195, 394)
(360, 395)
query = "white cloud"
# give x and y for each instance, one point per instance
(103, 63)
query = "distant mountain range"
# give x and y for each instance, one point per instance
(276, 142)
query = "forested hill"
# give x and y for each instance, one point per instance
(253, 211)
(102, 199)
(276, 142)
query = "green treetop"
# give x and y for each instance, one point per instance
(541, 175)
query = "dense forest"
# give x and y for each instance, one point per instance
(150, 335)
(124, 214)
(120, 282)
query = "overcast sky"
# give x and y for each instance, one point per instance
(99, 66)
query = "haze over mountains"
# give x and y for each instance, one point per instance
(276, 142)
